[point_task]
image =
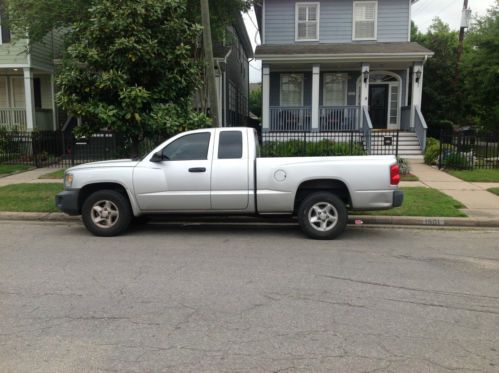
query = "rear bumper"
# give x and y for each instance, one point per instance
(398, 198)
(67, 202)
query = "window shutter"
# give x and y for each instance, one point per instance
(3, 25)
(365, 20)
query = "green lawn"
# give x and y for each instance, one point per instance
(53, 175)
(494, 190)
(10, 168)
(29, 197)
(409, 177)
(421, 201)
(483, 175)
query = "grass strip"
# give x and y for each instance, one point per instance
(420, 201)
(477, 175)
(29, 197)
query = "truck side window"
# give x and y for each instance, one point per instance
(230, 145)
(188, 148)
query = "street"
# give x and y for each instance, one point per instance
(247, 299)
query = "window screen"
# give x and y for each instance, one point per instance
(189, 147)
(230, 145)
(291, 89)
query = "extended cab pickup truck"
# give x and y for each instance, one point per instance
(219, 171)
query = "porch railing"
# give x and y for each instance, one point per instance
(339, 118)
(13, 118)
(420, 128)
(289, 119)
(367, 128)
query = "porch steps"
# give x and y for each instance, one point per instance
(408, 145)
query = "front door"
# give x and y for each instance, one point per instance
(378, 105)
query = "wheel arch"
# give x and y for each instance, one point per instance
(88, 189)
(335, 186)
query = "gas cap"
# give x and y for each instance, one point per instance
(280, 175)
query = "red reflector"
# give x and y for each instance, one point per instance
(394, 175)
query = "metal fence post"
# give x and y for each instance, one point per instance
(397, 145)
(441, 148)
(305, 143)
(351, 143)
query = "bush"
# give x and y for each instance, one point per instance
(322, 148)
(403, 166)
(432, 151)
(458, 161)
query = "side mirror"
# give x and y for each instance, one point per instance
(157, 157)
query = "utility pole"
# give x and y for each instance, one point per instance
(465, 19)
(210, 66)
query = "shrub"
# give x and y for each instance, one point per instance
(458, 161)
(322, 148)
(432, 151)
(403, 166)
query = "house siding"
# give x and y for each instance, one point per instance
(44, 53)
(336, 19)
(13, 53)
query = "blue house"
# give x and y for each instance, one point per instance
(342, 65)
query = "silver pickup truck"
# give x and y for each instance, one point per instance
(220, 171)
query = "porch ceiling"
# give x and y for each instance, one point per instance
(344, 52)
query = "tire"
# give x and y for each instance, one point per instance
(322, 216)
(115, 213)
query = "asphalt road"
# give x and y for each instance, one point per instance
(203, 299)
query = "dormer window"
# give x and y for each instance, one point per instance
(365, 20)
(307, 22)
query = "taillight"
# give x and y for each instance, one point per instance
(394, 175)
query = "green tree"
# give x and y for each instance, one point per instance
(129, 68)
(441, 99)
(481, 69)
(255, 101)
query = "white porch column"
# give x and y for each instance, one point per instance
(265, 98)
(417, 89)
(218, 85)
(29, 98)
(364, 88)
(316, 78)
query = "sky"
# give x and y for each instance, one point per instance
(423, 13)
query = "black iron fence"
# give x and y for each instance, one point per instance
(466, 151)
(298, 144)
(57, 149)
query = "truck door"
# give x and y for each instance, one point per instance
(229, 173)
(181, 181)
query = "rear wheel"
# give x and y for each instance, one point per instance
(322, 216)
(106, 213)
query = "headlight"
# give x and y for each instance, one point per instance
(68, 180)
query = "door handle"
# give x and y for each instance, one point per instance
(197, 169)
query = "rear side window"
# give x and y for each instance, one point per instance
(188, 148)
(230, 145)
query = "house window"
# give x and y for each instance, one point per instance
(394, 105)
(4, 30)
(365, 20)
(307, 21)
(4, 100)
(291, 89)
(335, 89)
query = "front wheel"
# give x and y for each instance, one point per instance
(106, 213)
(322, 216)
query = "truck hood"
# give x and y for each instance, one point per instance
(102, 164)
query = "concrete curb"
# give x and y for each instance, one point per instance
(368, 220)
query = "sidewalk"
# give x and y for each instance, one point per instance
(30, 177)
(478, 201)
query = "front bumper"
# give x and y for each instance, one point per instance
(67, 202)
(398, 198)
